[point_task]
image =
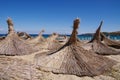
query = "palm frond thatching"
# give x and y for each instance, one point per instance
(13, 45)
(73, 59)
(100, 48)
(109, 42)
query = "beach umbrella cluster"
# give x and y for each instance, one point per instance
(51, 43)
(99, 47)
(69, 58)
(41, 43)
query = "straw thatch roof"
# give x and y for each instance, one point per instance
(13, 45)
(1, 38)
(40, 42)
(50, 43)
(109, 42)
(73, 59)
(100, 48)
(37, 39)
(24, 35)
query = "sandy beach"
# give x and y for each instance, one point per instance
(47, 59)
(23, 68)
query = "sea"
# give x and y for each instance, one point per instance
(81, 37)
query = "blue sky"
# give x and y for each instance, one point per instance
(57, 15)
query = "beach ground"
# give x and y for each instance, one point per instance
(23, 68)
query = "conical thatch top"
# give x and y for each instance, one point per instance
(42, 31)
(73, 59)
(10, 26)
(111, 43)
(37, 39)
(100, 48)
(24, 35)
(53, 36)
(50, 43)
(13, 45)
(40, 42)
(73, 37)
(96, 36)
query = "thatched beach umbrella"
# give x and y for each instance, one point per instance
(37, 39)
(1, 38)
(41, 43)
(50, 43)
(23, 35)
(13, 45)
(73, 59)
(97, 46)
(109, 42)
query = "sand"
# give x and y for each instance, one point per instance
(23, 68)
